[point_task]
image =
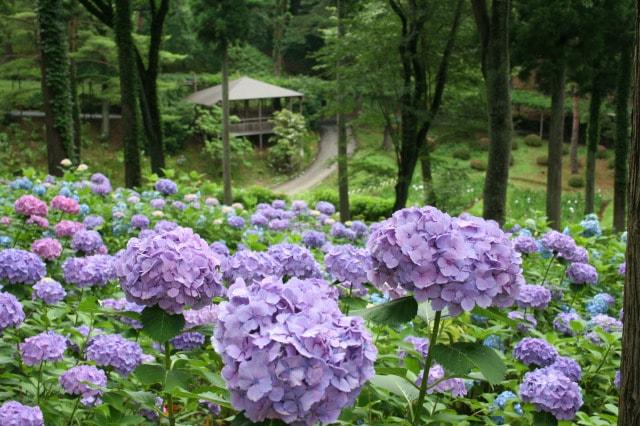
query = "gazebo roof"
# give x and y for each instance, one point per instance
(244, 88)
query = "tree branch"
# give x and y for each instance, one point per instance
(101, 10)
(481, 16)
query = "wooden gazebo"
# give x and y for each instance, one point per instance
(253, 101)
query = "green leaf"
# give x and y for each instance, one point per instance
(177, 378)
(395, 312)
(495, 315)
(159, 325)
(397, 385)
(89, 304)
(148, 374)
(542, 418)
(461, 358)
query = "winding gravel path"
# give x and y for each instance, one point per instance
(323, 165)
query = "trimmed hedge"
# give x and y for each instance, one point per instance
(363, 207)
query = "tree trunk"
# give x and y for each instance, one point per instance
(54, 63)
(343, 174)
(128, 90)
(226, 148)
(73, 79)
(575, 134)
(427, 176)
(280, 23)
(629, 406)
(622, 139)
(592, 148)
(556, 136)
(387, 140)
(104, 127)
(494, 35)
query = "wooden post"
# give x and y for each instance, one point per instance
(541, 123)
(260, 121)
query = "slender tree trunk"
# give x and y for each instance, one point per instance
(629, 406)
(343, 174)
(575, 134)
(73, 79)
(387, 140)
(592, 148)
(128, 89)
(427, 176)
(494, 35)
(104, 127)
(280, 24)
(556, 136)
(226, 148)
(54, 63)
(622, 139)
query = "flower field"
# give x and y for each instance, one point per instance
(164, 306)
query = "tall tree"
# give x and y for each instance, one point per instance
(593, 137)
(341, 118)
(279, 26)
(493, 28)
(54, 62)
(75, 152)
(220, 24)
(629, 407)
(575, 131)
(128, 89)
(416, 112)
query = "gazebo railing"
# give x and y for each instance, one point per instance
(252, 126)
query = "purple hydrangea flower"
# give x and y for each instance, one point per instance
(325, 207)
(68, 228)
(123, 305)
(46, 346)
(188, 341)
(203, 316)
(295, 261)
(113, 350)
(279, 204)
(569, 367)
(551, 391)
(607, 323)
(88, 271)
(525, 244)
(11, 312)
(259, 219)
(211, 407)
(29, 205)
(250, 265)
(47, 248)
(165, 226)
(349, 265)
(533, 296)
(93, 221)
(436, 385)
(582, 273)
(616, 380)
(235, 222)
(20, 267)
(85, 381)
(559, 244)
(360, 228)
(139, 221)
(314, 239)
(299, 206)
(220, 248)
(534, 351)
(87, 242)
(622, 269)
(49, 291)
(562, 323)
(289, 353)
(525, 322)
(166, 186)
(12, 413)
(157, 203)
(338, 230)
(454, 263)
(173, 270)
(100, 184)
(278, 224)
(41, 222)
(420, 345)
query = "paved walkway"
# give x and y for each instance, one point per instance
(323, 165)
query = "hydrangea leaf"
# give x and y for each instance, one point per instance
(542, 418)
(89, 304)
(159, 325)
(397, 385)
(461, 358)
(177, 377)
(149, 374)
(398, 311)
(496, 316)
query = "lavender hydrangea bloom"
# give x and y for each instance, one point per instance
(220, 248)
(455, 263)
(289, 353)
(534, 351)
(113, 350)
(47, 248)
(250, 265)
(600, 304)
(100, 184)
(20, 267)
(338, 230)
(203, 316)
(235, 222)
(551, 391)
(420, 344)
(88, 271)
(46, 346)
(325, 207)
(188, 341)
(68, 228)
(173, 270)
(533, 296)
(525, 244)
(582, 273)
(123, 305)
(166, 186)
(299, 206)
(314, 239)
(349, 265)
(622, 269)
(562, 323)
(211, 407)
(559, 244)
(87, 241)
(569, 367)
(93, 221)
(139, 221)
(11, 312)
(278, 224)
(436, 385)
(12, 413)
(360, 228)
(259, 219)
(616, 380)
(607, 323)
(85, 381)
(49, 291)
(525, 322)
(165, 226)
(295, 261)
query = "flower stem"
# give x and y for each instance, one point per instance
(548, 268)
(427, 367)
(348, 307)
(73, 413)
(39, 381)
(167, 367)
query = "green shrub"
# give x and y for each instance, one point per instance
(542, 160)
(462, 153)
(515, 145)
(478, 164)
(289, 130)
(533, 140)
(602, 152)
(374, 164)
(364, 207)
(251, 196)
(576, 182)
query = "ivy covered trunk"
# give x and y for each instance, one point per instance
(629, 407)
(592, 147)
(343, 175)
(622, 139)
(575, 134)
(128, 90)
(56, 91)
(556, 136)
(76, 152)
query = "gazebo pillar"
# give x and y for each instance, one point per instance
(260, 121)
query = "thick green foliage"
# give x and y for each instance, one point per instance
(290, 130)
